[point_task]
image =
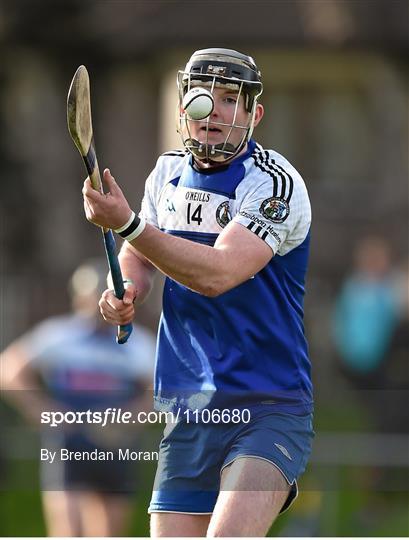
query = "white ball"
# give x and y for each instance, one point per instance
(198, 103)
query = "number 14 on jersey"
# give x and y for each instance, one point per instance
(194, 214)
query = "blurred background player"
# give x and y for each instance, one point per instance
(72, 362)
(367, 312)
(369, 326)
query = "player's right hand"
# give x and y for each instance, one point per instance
(115, 311)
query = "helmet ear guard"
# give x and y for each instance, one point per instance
(219, 68)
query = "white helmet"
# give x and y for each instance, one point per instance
(214, 68)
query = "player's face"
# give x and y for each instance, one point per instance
(225, 103)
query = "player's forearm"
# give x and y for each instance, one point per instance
(140, 272)
(199, 267)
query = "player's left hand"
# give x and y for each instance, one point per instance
(110, 209)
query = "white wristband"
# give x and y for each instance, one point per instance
(139, 230)
(132, 228)
(126, 225)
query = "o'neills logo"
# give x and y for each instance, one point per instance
(197, 196)
(223, 215)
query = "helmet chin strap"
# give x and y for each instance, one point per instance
(209, 154)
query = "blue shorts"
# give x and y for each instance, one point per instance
(192, 457)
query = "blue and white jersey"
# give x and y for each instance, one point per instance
(82, 366)
(245, 347)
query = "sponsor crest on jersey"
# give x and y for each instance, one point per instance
(223, 215)
(275, 209)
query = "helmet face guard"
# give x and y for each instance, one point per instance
(226, 69)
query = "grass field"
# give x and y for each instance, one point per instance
(347, 512)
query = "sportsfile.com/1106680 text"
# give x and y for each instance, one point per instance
(112, 415)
